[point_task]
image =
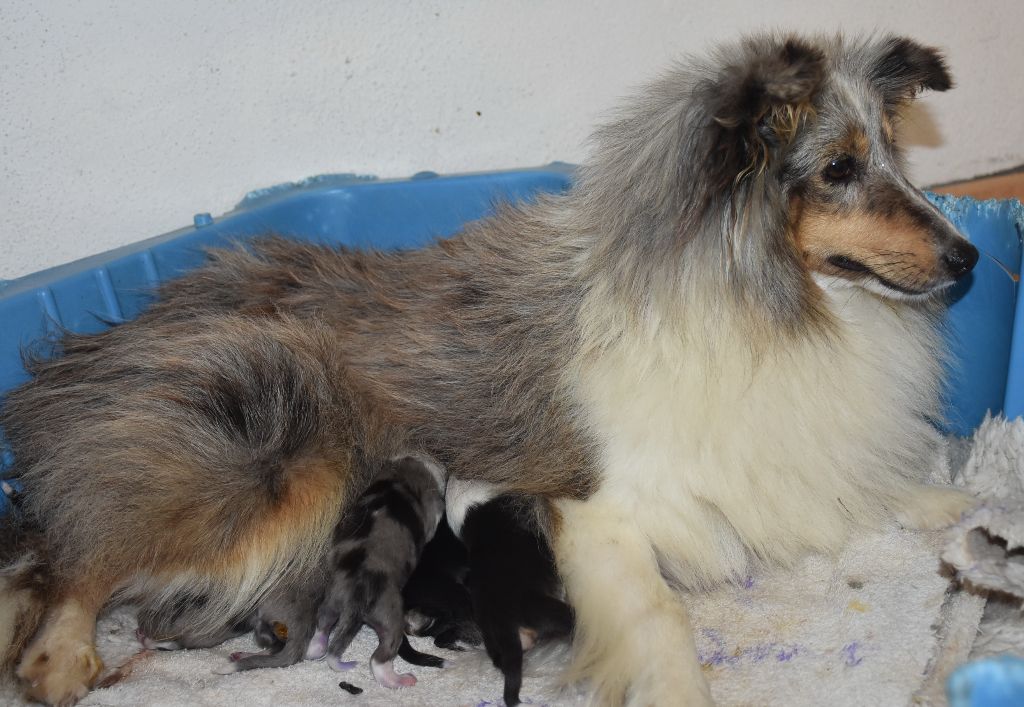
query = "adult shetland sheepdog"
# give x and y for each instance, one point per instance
(720, 346)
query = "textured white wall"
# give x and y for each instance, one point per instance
(119, 120)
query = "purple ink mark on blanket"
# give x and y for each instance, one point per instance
(850, 657)
(748, 583)
(787, 653)
(716, 653)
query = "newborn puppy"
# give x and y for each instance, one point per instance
(376, 548)
(170, 627)
(437, 602)
(282, 625)
(512, 581)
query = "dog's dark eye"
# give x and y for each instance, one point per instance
(840, 169)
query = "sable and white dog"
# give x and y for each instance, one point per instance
(720, 346)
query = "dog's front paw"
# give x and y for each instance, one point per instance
(59, 671)
(934, 507)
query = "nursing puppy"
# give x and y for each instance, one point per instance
(171, 627)
(282, 625)
(720, 345)
(376, 548)
(437, 602)
(512, 580)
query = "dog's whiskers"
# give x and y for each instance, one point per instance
(1015, 277)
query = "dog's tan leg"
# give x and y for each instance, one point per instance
(933, 507)
(60, 665)
(633, 643)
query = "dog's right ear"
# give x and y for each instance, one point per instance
(758, 101)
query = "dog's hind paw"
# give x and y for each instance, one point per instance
(934, 507)
(59, 672)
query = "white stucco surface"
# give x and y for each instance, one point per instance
(119, 120)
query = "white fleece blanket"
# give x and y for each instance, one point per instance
(986, 546)
(880, 624)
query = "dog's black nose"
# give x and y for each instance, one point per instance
(960, 259)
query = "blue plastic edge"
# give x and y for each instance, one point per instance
(991, 682)
(253, 199)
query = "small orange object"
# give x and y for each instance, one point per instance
(280, 630)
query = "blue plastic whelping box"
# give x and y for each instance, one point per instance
(362, 211)
(987, 366)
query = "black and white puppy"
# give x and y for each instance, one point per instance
(513, 582)
(437, 601)
(376, 548)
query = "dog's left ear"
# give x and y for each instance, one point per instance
(759, 100)
(903, 68)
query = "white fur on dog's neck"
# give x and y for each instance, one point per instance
(720, 454)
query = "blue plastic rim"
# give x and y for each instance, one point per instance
(992, 682)
(361, 211)
(987, 364)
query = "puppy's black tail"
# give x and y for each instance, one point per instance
(410, 655)
(501, 639)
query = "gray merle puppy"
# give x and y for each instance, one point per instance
(375, 551)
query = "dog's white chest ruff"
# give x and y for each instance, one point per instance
(718, 457)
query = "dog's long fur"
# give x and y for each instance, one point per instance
(719, 345)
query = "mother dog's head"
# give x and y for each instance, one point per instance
(772, 171)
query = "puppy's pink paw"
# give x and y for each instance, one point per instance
(385, 675)
(317, 646)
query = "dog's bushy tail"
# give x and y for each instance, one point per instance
(25, 586)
